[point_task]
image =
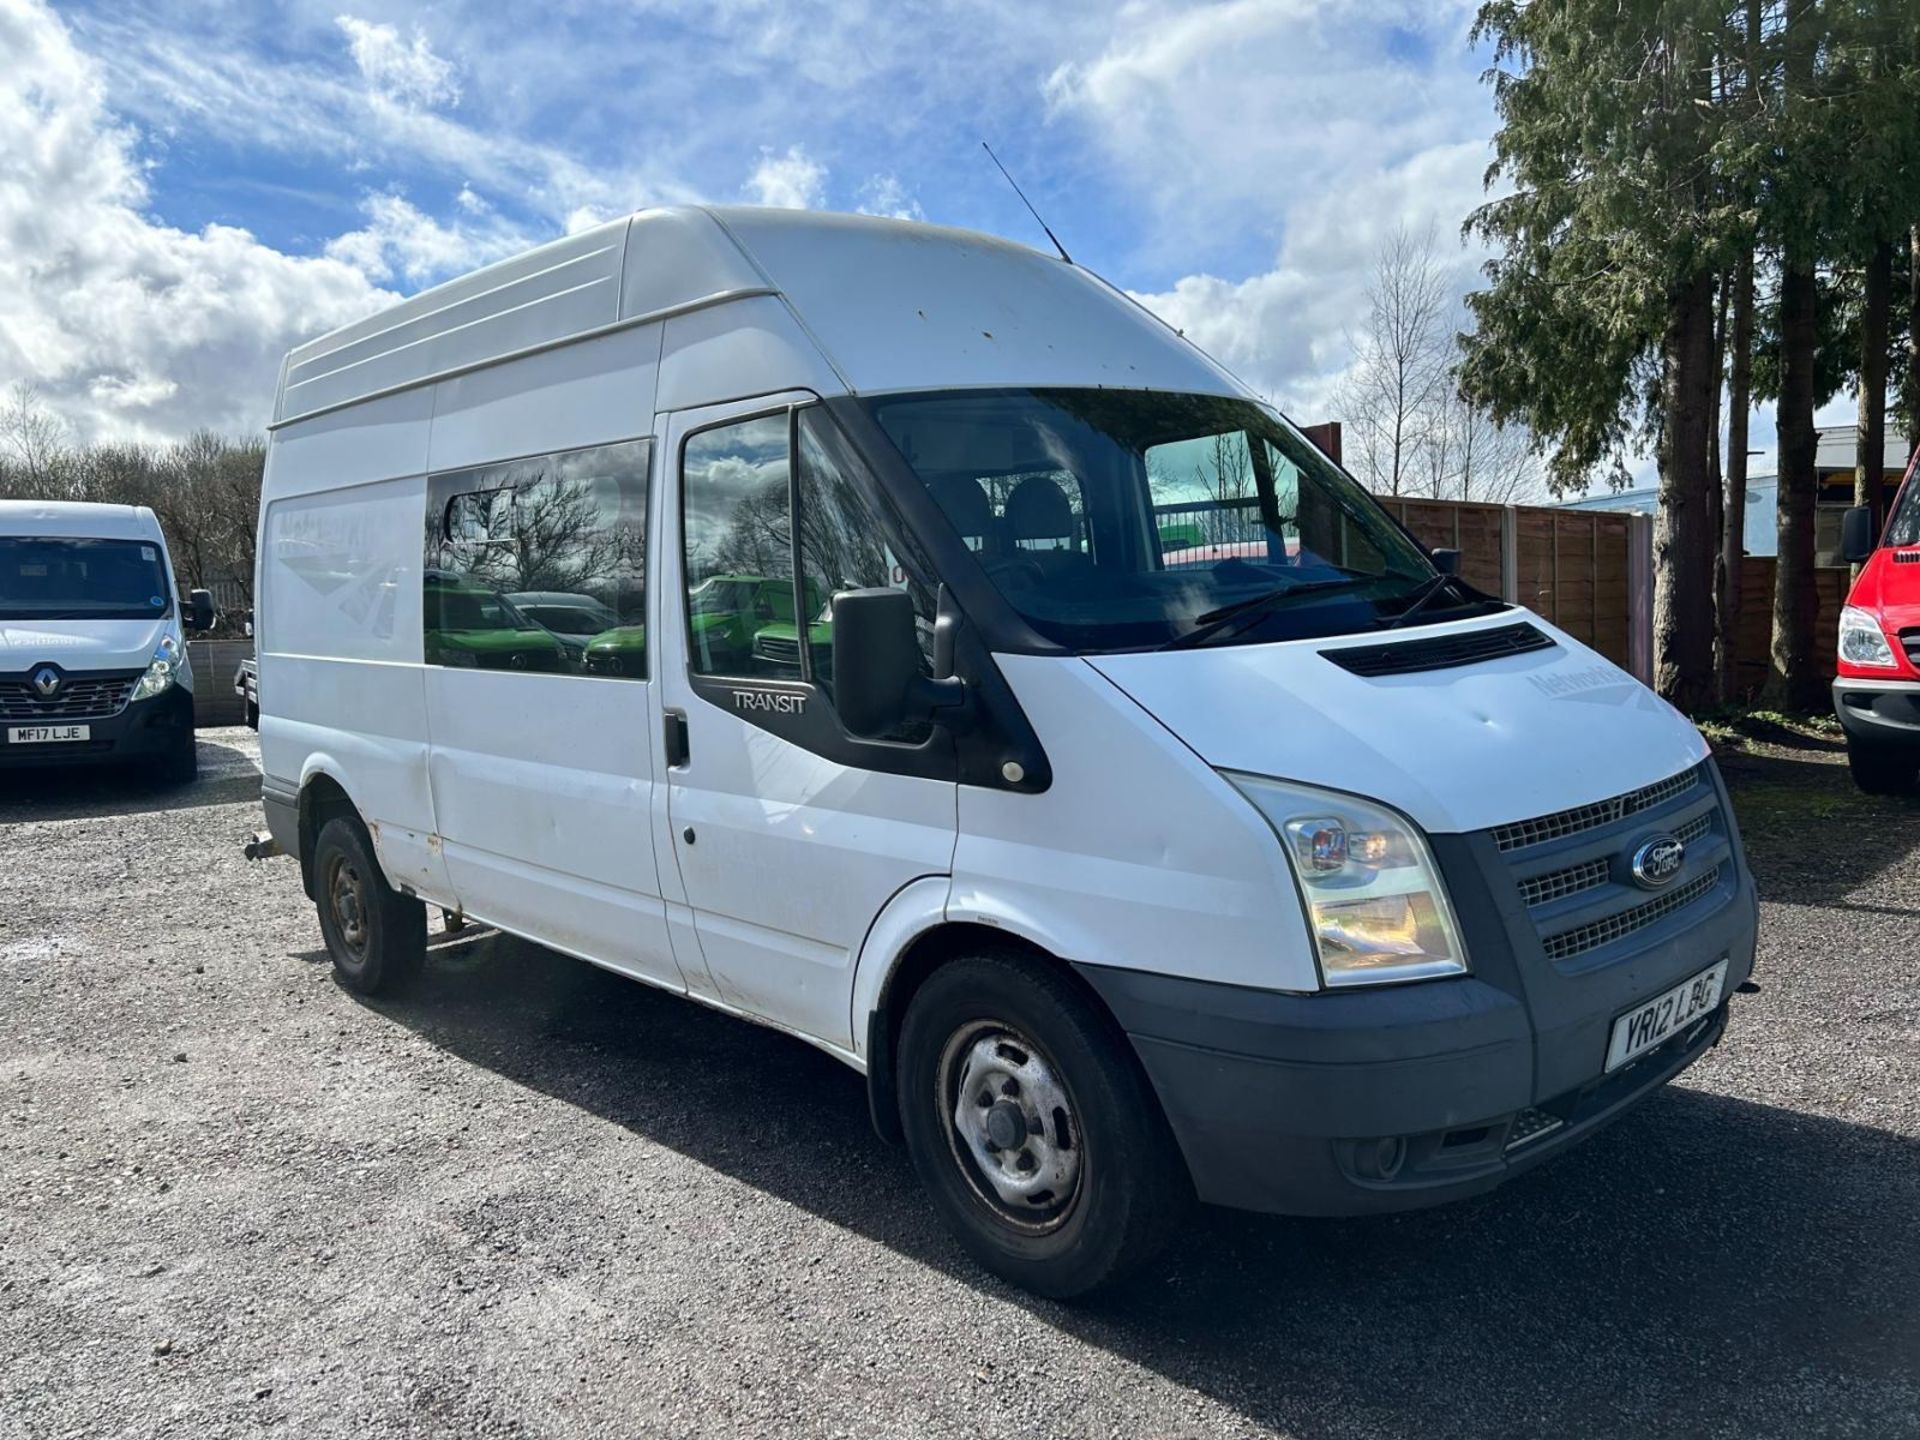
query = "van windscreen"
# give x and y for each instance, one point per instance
(1904, 528)
(1125, 520)
(55, 578)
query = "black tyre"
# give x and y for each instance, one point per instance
(181, 766)
(1884, 771)
(376, 935)
(1034, 1129)
(253, 716)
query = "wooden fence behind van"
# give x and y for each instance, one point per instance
(1753, 641)
(1588, 571)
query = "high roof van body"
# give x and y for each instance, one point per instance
(93, 641)
(1000, 697)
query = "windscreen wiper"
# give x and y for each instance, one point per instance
(1212, 622)
(1424, 596)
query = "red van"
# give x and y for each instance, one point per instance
(1877, 689)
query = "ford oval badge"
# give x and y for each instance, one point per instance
(1658, 861)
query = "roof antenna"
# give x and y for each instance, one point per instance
(1026, 202)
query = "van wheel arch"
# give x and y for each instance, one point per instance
(322, 798)
(928, 952)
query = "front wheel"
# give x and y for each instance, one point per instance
(181, 765)
(1884, 771)
(376, 936)
(1034, 1129)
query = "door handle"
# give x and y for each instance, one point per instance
(678, 752)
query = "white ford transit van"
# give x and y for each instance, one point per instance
(93, 640)
(985, 687)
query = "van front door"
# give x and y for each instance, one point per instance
(790, 836)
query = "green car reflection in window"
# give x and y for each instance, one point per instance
(738, 625)
(470, 626)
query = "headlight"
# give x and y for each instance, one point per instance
(162, 670)
(1375, 904)
(1862, 641)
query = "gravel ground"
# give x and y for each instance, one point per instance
(535, 1199)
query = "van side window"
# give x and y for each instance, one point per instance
(845, 540)
(742, 619)
(539, 564)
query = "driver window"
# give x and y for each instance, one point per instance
(741, 617)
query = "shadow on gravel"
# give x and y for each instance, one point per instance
(79, 792)
(1706, 1263)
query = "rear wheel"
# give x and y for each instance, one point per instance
(376, 936)
(1033, 1128)
(1884, 771)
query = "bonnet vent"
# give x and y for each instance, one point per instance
(1440, 652)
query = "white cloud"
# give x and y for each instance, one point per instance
(885, 195)
(401, 240)
(131, 328)
(1285, 330)
(406, 71)
(793, 181)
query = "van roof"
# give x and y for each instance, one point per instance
(890, 304)
(78, 519)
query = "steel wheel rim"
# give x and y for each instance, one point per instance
(347, 899)
(1011, 1126)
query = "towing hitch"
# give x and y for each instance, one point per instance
(262, 846)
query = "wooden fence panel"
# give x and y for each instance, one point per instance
(1473, 530)
(1753, 644)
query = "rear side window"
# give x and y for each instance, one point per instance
(539, 565)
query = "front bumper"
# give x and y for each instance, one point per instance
(1364, 1101)
(143, 730)
(1883, 714)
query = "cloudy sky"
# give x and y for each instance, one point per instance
(188, 187)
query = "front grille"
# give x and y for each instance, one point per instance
(1558, 884)
(1440, 652)
(1562, 823)
(1910, 642)
(781, 652)
(1592, 874)
(1594, 934)
(91, 697)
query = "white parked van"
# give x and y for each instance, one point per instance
(990, 690)
(93, 640)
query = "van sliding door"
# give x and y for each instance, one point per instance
(540, 701)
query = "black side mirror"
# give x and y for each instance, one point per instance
(1856, 535)
(1447, 562)
(878, 684)
(199, 609)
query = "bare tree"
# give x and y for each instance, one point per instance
(1402, 360)
(36, 462)
(1466, 454)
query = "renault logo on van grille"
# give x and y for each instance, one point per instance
(1657, 861)
(46, 682)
